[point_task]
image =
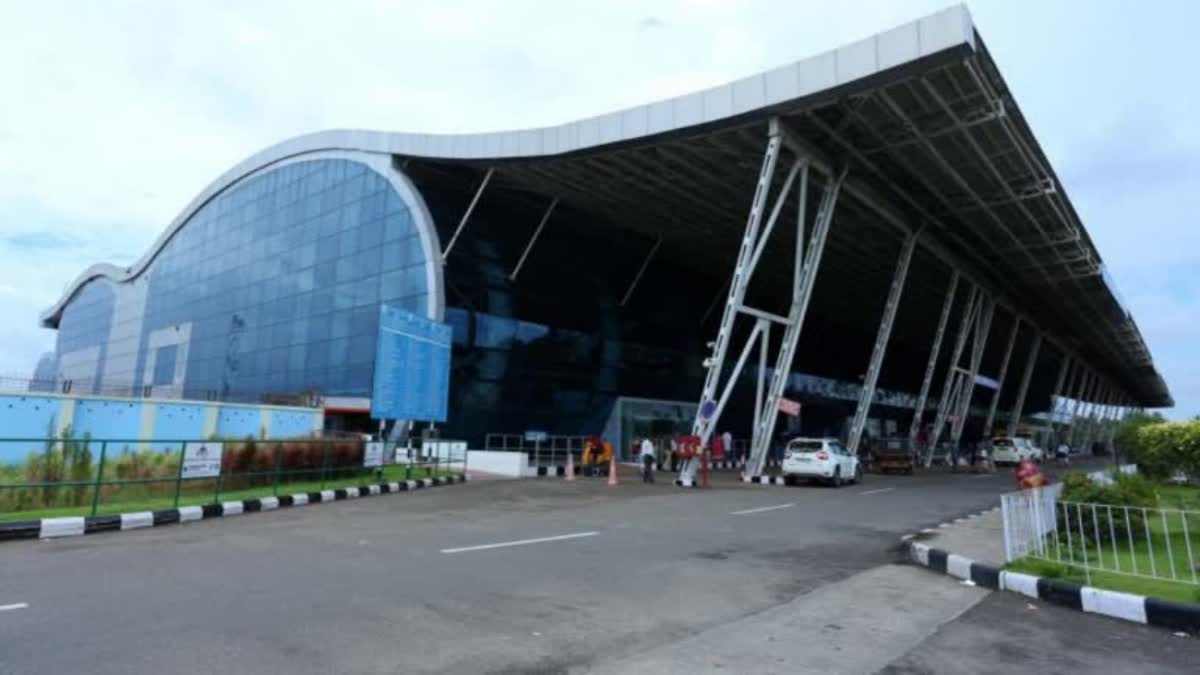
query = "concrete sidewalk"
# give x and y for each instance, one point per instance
(979, 537)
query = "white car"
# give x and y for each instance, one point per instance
(822, 459)
(1006, 450)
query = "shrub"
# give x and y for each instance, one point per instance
(1164, 449)
(1131, 490)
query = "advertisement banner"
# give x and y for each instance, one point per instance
(202, 460)
(373, 454)
(789, 407)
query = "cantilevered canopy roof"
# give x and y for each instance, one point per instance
(919, 116)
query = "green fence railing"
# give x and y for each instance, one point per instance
(66, 477)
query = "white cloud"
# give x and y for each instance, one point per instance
(116, 114)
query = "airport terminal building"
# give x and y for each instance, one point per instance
(873, 232)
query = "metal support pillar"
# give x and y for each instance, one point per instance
(753, 245)
(1051, 437)
(914, 429)
(1082, 382)
(1096, 415)
(1008, 350)
(1085, 414)
(533, 240)
(487, 177)
(948, 393)
(1019, 405)
(881, 341)
(641, 271)
(983, 329)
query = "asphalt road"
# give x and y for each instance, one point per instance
(433, 582)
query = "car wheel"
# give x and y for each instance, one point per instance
(858, 474)
(789, 481)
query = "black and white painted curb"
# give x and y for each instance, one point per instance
(764, 480)
(49, 528)
(1177, 616)
(722, 465)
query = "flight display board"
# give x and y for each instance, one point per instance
(412, 367)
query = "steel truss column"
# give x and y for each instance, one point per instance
(1019, 405)
(983, 328)
(1096, 421)
(487, 177)
(753, 245)
(881, 341)
(1051, 437)
(1082, 382)
(801, 294)
(960, 343)
(1083, 409)
(533, 240)
(914, 429)
(1008, 350)
(641, 271)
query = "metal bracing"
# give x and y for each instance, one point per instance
(964, 328)
(641, 270)
(1083, 381)
(1000, 377)
(983, 328)
(1051, 434)
(1079, 422)
(914, 429)
(487, 177)
(1019, 406)
(753, 245)
(533, 240)
(867, 394)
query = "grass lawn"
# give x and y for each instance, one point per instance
(151, 497)
(1115, 564)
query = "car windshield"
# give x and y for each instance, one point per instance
(804, 446)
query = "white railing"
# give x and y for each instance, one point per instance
(1150, 543)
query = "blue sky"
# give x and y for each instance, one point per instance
(116, 114)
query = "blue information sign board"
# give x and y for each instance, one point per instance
(412, 367)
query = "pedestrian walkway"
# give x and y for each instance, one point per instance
(979, 537)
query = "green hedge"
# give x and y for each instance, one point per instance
(1165, 449)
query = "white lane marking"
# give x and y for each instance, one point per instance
(875, 492)
(15, 605)
(520, 542)
(761, 509)
(982, 475)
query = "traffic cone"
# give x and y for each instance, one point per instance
(570, 465)
(612, 470)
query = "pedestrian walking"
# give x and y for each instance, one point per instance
(647, 461)
(1063, 454)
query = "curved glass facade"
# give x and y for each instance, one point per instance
(272, 287)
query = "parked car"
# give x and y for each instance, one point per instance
(823, 459)
(1011, 450)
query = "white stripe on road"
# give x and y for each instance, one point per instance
(875, 492)
(520, 542)
(16, 605)
(982, 475)
(760, 510)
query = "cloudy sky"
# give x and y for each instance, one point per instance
(114, 114)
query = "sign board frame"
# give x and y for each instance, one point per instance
(201, 459)
(412, 367)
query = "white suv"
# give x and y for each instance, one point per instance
(1011, 450)
(820, 458)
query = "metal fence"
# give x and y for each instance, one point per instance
(60, 477)
(552, 451)
(88, 387)
(1144, 542)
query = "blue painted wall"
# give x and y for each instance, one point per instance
(180, 421)
(290, 424)
(118, 420)
(239, 422)
(36, 417)
(26, 417)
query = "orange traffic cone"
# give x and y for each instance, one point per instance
(570, 465)
(612, 470)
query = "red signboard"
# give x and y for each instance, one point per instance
(789, 407)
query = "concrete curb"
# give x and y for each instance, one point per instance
(69, 526)
(764, 480)
(723, 465)
(1176, 616)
